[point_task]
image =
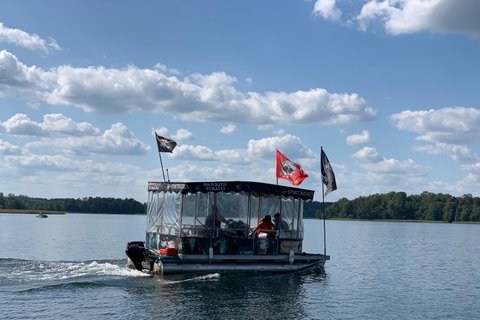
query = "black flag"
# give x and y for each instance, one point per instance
(164, 144)
(328, 177)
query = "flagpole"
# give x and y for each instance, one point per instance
(323, 197)
(161, 163)
(276, 164)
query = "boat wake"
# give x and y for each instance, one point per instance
(38, 274)
(206, 277)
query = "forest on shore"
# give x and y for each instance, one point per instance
(426, 206)
(84, 205)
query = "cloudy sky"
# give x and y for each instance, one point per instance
(389, 88)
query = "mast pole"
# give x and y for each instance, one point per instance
(323, 209)
(161, 163)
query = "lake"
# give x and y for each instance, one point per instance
(73, 266)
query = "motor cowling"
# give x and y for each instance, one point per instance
(136, 252)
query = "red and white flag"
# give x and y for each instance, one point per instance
(289, 170)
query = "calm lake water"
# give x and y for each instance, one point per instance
(73, 266)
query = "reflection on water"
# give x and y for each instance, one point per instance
(228, 295)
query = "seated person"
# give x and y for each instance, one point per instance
(263, 227)
(280, 224)
(210, 222)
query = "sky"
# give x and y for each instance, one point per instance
(390, 89)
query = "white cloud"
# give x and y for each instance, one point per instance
(384, 175)
(186, 152)
(163, 68)
(291, 146)
(18, 78)
(183, 134)
(161, 132)
(263, 149)
(409, 16)
(21, 124)
(8, 149)
(61, 163)
(360, 139)
(472, 167)
(394, 166)
(198, 98)
(229, 129)
(456, 152)
(58, 175)
(266, 127)
(368, 154)
(117, 141)
(456, 125)
(185, 172)
(327, 9)
(26, 40)
(57, 122)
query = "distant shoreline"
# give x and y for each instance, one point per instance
(47, 212)
(339, 219)
(30, 211)
(407, 220)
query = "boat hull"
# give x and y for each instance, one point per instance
(204, 264)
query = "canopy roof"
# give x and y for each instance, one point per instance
(230, 186)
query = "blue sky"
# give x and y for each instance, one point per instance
(390, 89)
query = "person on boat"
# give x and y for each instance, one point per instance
(263, 227)
(280, 224)
(214, 219)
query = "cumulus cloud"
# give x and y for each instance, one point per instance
(26, 40)
(367, 154)
(8, 149)
(183, 134)
(186, 152)
(291, 146)
(21, 124)
(229, 129)
(394, 166)
(389, 169)
(409, 16)
(18, 78)
(185, 172)
(57, 122)
(198, 98)
(262, 149)
(360, 139)
(163, 68)
(456, 152)
(456, 125)
(327, 9)
(116, 141)
(161, 132)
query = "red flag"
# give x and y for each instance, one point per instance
(288, 170)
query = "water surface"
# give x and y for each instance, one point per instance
(73, 266)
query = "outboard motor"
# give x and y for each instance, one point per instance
(136, 252)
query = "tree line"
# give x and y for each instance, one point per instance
(389, 206)
(84, 205)
(399, 206)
